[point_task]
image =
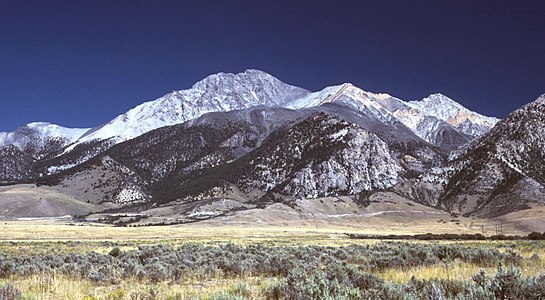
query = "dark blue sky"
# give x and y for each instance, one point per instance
(81, 63)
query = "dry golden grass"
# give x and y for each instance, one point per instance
(53, 287)
(61, 231)
(456, 270)
(532, 265)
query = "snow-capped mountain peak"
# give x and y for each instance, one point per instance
(436, 119)
(336, 93)
(227, 91)
(217, 92)
(40, 130)
(54, 130)
(35, 137)
(349, 95)
(452, 112)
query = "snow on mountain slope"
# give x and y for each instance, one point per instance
(430, 118)
(388, 109)
(431, 128)
(218, 92)
(452, 112)
(33, 138)
(392, 119)
(437, 119)
(347, 94)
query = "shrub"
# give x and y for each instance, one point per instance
(96, 276)
(115, 252)
(10, 292)
(534, 288)
(241, 289)
(536, 236)
(276, 290)
(309, 272)
(507, 283)
(117, 294)
(156, 272)
(226, 296)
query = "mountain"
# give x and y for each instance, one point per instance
(222, 152)
(376, 113)
(318, 156)
(226, 91)
(41, 139)
(218, 92)
(450, 111)
(437, 119)
(498, 173)
(319, 153)
(250, 140)
(386, 115)
(441, 121)
(135, 166)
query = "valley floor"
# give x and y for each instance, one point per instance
(42, 259)
(279, 222)
(279, 252)
(24, 206)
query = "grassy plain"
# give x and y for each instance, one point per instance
(42, 238)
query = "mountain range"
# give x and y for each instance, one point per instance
(248, 141)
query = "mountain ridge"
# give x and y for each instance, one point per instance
(228, 91)
(41, 139)
(497, 173)
(216, 92)
(250, 140)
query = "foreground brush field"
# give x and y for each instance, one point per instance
(47, 260)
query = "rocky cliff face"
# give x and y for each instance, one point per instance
(320, 155)
(363, 162)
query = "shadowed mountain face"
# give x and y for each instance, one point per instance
(318, 156)
(238, 148)
(16, 164)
